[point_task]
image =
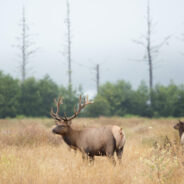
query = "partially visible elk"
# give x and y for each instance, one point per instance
(180, 127)
(103, 141)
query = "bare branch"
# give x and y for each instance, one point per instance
(139, 42)
(164, 42)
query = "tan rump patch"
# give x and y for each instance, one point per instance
(118, 135)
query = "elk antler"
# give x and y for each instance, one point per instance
(80, 107)
(56, 115)
(65, 118)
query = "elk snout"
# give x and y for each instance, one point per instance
(55, 130)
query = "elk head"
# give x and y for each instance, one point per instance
(180, 127)
(63, 123)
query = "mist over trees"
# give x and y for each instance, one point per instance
(34, 98)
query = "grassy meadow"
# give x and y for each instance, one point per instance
(31, 154)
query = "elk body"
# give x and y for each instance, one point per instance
(103, 141)
(180, 127)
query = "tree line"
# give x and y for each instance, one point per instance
(34, 98)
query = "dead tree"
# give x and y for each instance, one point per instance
(25, 46)
(68, 26)
(94, 69)
(97, 77)
(150, 49)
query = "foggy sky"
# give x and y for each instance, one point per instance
(102, 33)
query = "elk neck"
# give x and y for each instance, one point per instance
(71, 136)
(181, 131)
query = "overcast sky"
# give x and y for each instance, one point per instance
(102, 33)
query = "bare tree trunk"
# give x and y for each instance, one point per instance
(68, 23)
(97, 77)
(23, 45)
(149, 48)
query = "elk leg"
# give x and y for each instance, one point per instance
(119, 157)
(110, 154)
(112, 160)
(119, 153)
(84, 155)
(91, 159)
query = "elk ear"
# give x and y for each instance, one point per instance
(181, 124)
(176, 126)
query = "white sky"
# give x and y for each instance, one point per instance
(102, 32)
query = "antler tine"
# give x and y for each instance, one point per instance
(74, 109)
(52, 113)
(65, 115)
(56, 115)
(80, 99)
(80, 107)
(58, 103)
(86, 101)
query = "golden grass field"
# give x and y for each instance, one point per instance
(31, 154)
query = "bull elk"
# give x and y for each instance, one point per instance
(103, 141)
(180, 127)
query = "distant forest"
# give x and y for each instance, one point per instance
(34, 98)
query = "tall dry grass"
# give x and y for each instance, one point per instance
(30, 153)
